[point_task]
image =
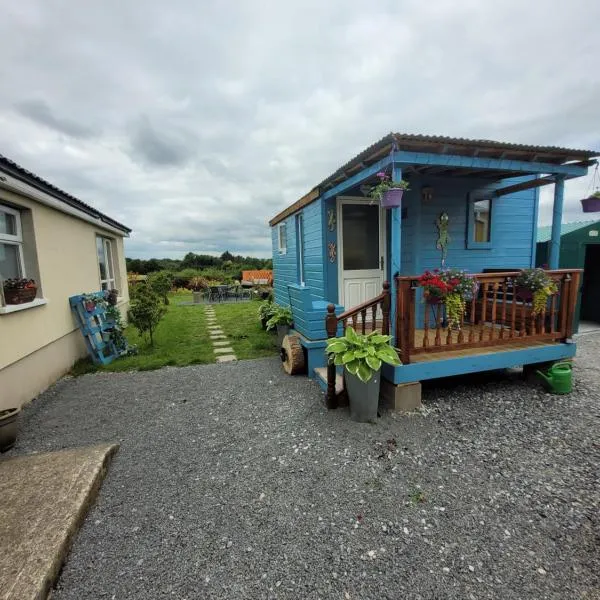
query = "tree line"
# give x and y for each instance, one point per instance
(198, 261)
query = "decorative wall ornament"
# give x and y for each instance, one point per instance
(332, 251)
(443, 240)
(331, 219)
(427, 194)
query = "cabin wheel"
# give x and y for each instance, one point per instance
(292, 355)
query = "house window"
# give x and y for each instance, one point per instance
(300, 246)
(282, 238)
(105, 249)
(12, 264)
(480, 223)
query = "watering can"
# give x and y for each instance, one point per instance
(559, 378)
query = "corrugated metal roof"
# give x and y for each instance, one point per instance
(543, 233)
(32, 179)
(440, 144)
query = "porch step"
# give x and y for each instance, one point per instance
(321, 377)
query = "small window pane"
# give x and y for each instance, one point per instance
(360, 229)
(282, 237)
(10, 265)
(109, 259)
(481, 221)
(8, 224)
(101, 257)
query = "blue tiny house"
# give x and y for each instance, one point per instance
(337, 245)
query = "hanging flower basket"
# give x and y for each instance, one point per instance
(591, 204)
(525, 294)
(392, 198)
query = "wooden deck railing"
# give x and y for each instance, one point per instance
(364, 318)
(495, 317)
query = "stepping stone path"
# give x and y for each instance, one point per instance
(221, 345)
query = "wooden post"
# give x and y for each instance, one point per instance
(331, 324)
(563, 308)
(403, 320)
(385, 308)
(572, 302)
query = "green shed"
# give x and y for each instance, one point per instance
(579, 249)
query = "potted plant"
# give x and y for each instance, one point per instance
(93, 301)
(389, 192)
(265, 312)
(19, 291)
(434, 287)
(281, 318)
(198, 285)
(362, 357)
(461, 287)
(591, 203)
(8, 428)
(535, 286)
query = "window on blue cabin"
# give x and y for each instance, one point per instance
(300, 246)
(480, 223)
(282, 238)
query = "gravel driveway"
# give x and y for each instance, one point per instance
(233, 481)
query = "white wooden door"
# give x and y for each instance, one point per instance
(361, 249)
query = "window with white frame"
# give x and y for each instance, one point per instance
(12, 264)
(282, 238)
(105, 250)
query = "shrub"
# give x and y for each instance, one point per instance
(146, 311)
(161, 283)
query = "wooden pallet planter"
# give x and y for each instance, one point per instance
(95, 326)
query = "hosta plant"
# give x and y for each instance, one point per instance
(280, 315)
(362, 355)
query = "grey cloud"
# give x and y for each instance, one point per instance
(162, 146)
(206, 128)
(40, 112)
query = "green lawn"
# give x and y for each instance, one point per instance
(182, 339)
(240, 324)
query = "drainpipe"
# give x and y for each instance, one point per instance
(395, 214)
(557, 211)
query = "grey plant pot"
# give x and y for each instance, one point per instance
(8, 428)
(197, 297)
(282, 331)
(363, 397)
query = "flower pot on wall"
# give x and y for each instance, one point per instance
(363, 397)
(591, 204)
(8, 428)
(392, 198)
(20, 296)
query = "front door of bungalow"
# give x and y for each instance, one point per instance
(361, 250)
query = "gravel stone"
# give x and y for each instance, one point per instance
(234, 481)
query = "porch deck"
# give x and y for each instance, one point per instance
(452, 352)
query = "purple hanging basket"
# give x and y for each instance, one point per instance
(392, 198)
(591, 204)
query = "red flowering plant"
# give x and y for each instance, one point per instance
(451, 287)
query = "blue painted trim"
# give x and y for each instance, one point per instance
(395, 215)
(473, 162)
(471, 244)
(557, 211)
(473, 364)
(355, 179)
(536, 211)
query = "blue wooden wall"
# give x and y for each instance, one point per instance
(285, 266)
(513, 227)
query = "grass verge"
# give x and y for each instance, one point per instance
(182, 339)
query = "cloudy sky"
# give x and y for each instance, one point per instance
(194, 122)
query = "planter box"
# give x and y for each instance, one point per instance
(591, 204)
(363, 397)
(392, 198)
(20, 296)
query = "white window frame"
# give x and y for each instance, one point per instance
(14, 240)
(282, 239)
(108, 249)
